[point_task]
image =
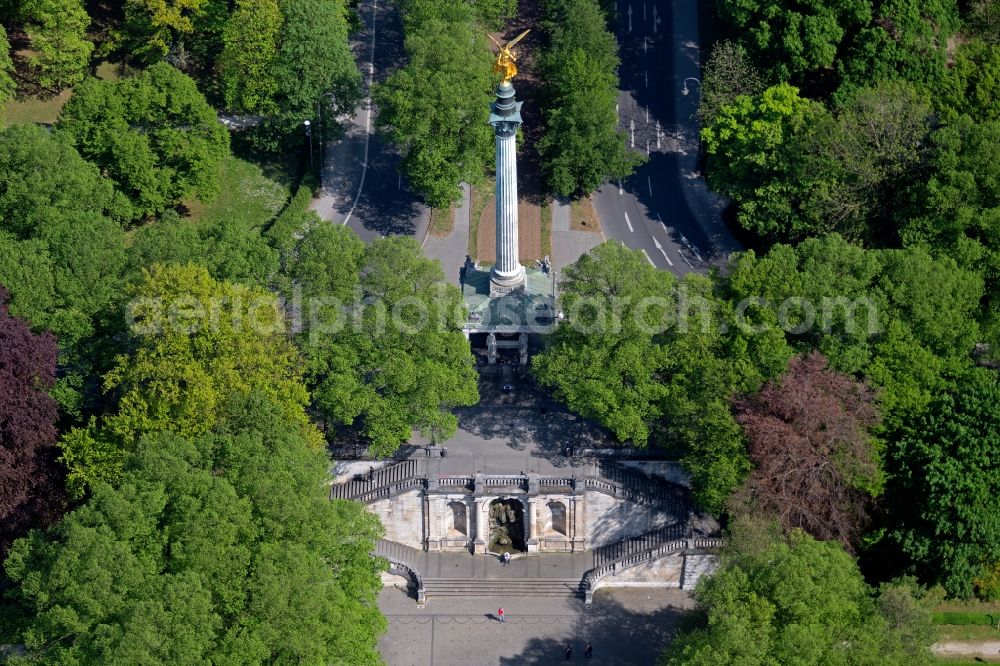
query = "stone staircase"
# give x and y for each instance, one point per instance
(499, 587)
(646, 489)
(637, 545)
(385, 482)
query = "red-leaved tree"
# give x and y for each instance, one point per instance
(814, 463)
(31, 479)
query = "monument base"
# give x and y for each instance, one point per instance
(502, 286)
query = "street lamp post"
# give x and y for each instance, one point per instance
(684, 88)
(319, 120)
(309, 134)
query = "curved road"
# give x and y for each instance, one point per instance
(665, 208)
(361, 186)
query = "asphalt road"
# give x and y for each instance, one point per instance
(664, 209)
(361, 186)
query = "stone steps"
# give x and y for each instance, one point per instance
(534, 587)
(637, 544)
(382, 478)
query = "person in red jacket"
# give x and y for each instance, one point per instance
(500, 615)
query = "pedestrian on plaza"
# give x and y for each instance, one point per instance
(500, 615)
(505, 559)
(371, 473)
(569, 652)
(589, 652)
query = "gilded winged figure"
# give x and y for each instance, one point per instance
(505, 63)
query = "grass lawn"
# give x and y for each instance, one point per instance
(35, 109)
(244, 191)
(481, 195)
(546, 210)
(967, 632)
(442, 221)
(583, 216)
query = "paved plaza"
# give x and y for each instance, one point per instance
(626, 626)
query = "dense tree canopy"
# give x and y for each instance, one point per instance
(792, 600)
(581, 145)
(384, 345)
(7, 84)
(795, 36)
(650, 358)
(945, 489)
(153, 134)
(57, 30)
(218, 548)
(196, 343)
(31, 481)
(815, 463)
(435, 108)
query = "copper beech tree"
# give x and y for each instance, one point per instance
(815, 467)
(31, 483)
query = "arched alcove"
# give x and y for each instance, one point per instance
(557, 517)
(457, 519)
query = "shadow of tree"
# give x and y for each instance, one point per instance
(619, 634)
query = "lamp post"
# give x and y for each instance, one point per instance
(684, 88)
(309, 134)
(319, 120)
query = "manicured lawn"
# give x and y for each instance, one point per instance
(244, 191)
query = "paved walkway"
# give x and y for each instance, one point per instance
(452, 249)
(568, 245)
(446, 564)
(626, 626)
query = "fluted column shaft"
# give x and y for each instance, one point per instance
(507, 265)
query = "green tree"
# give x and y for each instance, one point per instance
(7, 85)
(906, 39)
(249, 56)
(158, 26)
(153, 134)
(727, 75)
(57, 30)
(973, 83)
(223, 548)
(794, 37)
(752, 146)
(581, 146)
(196, 341)
(435, 108)
(944, 492)
(956, 209)
(791, 600)
(647, 358)
(395, 359)
(494, 13)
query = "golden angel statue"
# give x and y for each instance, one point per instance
(505, 63)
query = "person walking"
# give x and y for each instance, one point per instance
(500, 615)
(505, 558)
(569, 652)
(589, 652)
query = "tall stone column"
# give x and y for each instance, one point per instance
(505, 117)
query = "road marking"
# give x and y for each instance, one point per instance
(399, 180)
(368, 117)
(658, 134)
(649, 181)
(629, 223)
(656, 19)
(644, 46)
(646, 76)
(660, 248)
(648, 258)
(630, 17)
(647, 147)
(618, 118)
(631, 131)
(647, 114)
(620, 190)
(644, 11)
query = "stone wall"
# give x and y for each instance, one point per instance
(663, 572)
(609, 519)
(403, 517)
